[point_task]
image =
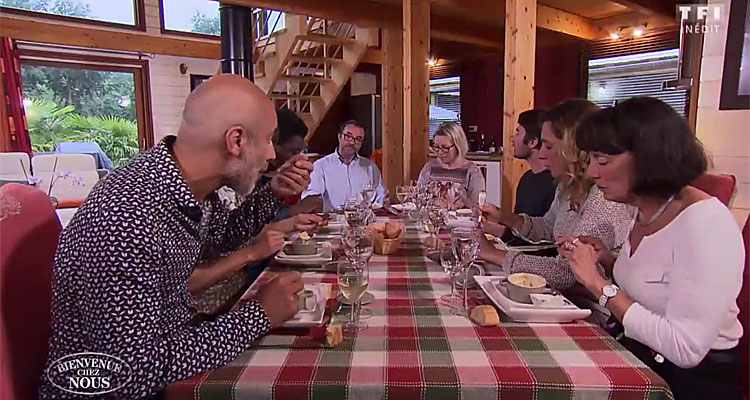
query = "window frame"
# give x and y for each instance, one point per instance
(166, 31)
(139, 8)
(139, 69)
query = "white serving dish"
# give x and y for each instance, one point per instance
(323, 256)
(306, 319)
(522, 312)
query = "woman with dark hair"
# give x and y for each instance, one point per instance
(577, 209)
(679, 274)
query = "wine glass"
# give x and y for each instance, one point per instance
(402, 193)
(353, 279)
(451, 265)
(357, 244)
(368, 194)
(353, 212)
(436, 215)
(465, 243)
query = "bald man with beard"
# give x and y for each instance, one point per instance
(121, 272)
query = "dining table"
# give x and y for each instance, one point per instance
(415, 348)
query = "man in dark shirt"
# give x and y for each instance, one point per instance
(121, 271)
(536, 189)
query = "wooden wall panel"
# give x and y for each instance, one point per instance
(518, 90)
(393, 107)
(416, 28)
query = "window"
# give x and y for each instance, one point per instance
(122, 12)
(86, 99)
(445, 102)
(619, 78)
(192, 16)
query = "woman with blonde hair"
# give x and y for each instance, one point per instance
(458, 179)
(579, 209)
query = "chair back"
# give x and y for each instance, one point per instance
(744, 304)
(14, 166)
(29, 232)
(377, 158)
(720, 186)
(72, 176)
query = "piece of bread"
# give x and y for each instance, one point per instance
(304, 236)
(392, 230)
(485, 316)
(334, 335)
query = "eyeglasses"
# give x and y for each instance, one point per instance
(349, 137)
(442, 149)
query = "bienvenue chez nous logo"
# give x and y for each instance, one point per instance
(89, 373)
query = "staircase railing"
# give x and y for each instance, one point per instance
(262, 19)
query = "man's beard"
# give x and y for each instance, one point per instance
(244, 176)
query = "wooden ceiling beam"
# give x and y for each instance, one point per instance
(89, 36)
(362, 13)
(634, 19)
(650, 7)
(561, 21)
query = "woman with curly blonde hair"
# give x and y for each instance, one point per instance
(579, 209)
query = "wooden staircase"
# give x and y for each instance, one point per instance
(305, 65)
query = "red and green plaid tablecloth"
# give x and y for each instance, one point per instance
(415, 348)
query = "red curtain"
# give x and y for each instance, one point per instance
(18, 128)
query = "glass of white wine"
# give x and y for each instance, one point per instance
(353, 278)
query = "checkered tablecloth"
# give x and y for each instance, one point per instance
(415, 348)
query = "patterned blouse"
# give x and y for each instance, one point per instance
(120, 276)
(461, 186)
(598, 217)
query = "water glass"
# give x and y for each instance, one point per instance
(465, 244)
(452, 266)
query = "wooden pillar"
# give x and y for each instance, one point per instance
(392, 74)
(518, 90)
(416, 38)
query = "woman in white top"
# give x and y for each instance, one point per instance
(678, 276)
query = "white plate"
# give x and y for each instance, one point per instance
(324, 257)
(304, 319)
(405, 206)
(527, 312)
(460, 222)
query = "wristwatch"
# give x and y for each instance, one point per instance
(608, 292)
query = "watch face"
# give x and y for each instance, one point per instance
(609, 290)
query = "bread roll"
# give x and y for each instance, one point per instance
(392, 230)
(334, 335)
(485, 316)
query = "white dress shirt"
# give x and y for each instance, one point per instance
(685, 279)
(335, 181)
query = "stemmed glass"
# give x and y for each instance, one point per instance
(402, 193)
(451, 265)
(358, 250)
(353, 279)
(355, 212)
(465, 243)
(436, 215)
(368, 194)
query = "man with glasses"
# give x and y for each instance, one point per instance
(342, 174)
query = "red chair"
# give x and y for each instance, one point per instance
(744, 316)
(377, 158)
(720, 186)
(29, 232)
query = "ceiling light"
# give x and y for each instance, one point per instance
(638, 32)
(614, 35)
(432, 62)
